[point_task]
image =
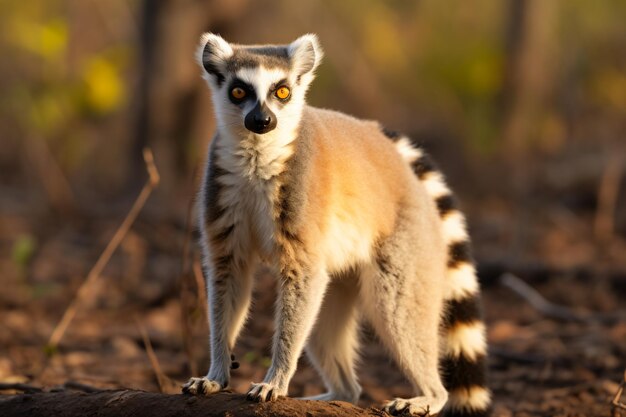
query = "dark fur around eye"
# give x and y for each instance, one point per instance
(250, 95)
(277, 86)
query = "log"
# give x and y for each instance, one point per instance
(122, 403)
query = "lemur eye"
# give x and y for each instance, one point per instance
(282, 93)
(238, 93)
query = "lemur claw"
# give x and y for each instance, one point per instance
(410, 407)
(201, 386)
(263, 392)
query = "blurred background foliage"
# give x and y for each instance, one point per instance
(523, 102)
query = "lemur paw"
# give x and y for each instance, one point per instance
(264, 391)
(414, 406)
(202, 386)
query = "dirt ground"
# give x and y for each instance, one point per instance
(539, 366)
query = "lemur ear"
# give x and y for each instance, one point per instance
(306, 54)
(212, 53)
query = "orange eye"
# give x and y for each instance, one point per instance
(282, 93)
(238, 93)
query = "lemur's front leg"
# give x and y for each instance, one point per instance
(229, 287)
(300, 296)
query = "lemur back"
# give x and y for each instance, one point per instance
(355, 221)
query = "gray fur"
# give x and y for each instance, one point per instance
(292, 196)
(250, 57)
(401, 295)
(211, 187)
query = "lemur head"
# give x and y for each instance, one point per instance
(258, 88)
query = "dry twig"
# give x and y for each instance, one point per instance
(93, 275)
(201, 285)
(616, 403)
(538, 301)
(162, 379)
(550, 309)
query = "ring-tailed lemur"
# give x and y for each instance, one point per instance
(355, 221)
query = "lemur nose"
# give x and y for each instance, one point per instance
(263, 121)
(260, 119)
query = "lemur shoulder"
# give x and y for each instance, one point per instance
(356, 223)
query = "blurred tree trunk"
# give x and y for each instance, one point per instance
(169, 96)
(529, 73)
(514, 36)
(529, 70)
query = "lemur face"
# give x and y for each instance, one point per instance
(258, 89)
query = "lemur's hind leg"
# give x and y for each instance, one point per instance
(402, 297)
(333, 342)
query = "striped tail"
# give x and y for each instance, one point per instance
(464, 353)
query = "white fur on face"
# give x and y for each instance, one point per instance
(261, 79)
(230, 117)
